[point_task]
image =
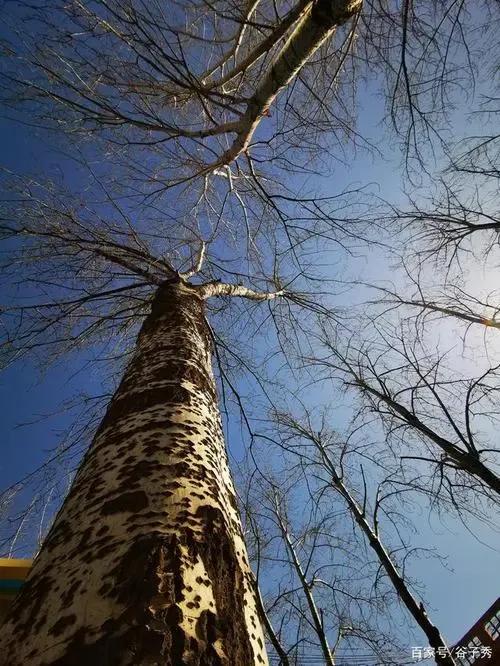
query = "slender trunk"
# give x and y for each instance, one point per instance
(417, 610)
(465, 460)
(315, 614)
(436, 640)
(145, 562)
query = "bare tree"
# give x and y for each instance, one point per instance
(454, 302)
(420, 402)
(316, 585)
(405, 371)
(460, 218)
(89, 273)
(154, 492)
(194, 117)
(206, 84)
(452, 224)
(325, 459)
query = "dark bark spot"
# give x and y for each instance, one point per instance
(84, 539)
(102, 530)
(62, 624)
(68, 595)
(127, 502)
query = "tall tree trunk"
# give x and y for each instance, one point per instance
(145, 562)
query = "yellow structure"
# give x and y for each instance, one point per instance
(12, 575)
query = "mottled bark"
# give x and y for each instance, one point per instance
(145, 562)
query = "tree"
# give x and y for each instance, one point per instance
(157, 459)
(177, 102)
(419, 403)
(153, 495)
(316, 584)
(403, 374)
(316, 450)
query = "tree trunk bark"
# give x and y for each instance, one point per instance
(145, 562)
